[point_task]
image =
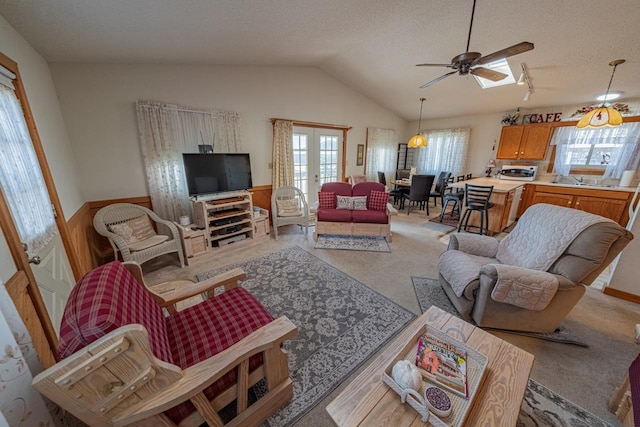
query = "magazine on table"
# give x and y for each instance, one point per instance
(443, 363)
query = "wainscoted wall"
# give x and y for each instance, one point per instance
(93, 249)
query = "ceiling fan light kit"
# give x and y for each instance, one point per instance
(471, 62)
(603, 116)
(418, 140)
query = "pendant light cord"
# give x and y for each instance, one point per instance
(420, 119)
(615, 65)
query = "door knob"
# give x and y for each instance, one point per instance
(33, 260)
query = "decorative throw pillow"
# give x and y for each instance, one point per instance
(123, 230)
(326, 200)
(288, 207)
(359, 203)
(378, 200)
(344, 202)
(141, 227)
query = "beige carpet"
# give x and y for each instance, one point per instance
(587, 377)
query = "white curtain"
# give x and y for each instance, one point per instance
(282, 156)
(446, 150)
(382, 149)
(21, 178)
(624, 152)
(166, 131)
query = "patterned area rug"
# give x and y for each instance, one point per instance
(447, 219)
(352, 243)
(429, 292)
(341, 322)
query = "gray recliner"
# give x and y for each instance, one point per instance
(531, 279)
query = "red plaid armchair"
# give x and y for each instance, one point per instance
(125, 362)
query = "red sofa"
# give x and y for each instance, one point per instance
(372, 221)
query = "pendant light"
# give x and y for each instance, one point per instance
(603, 116)
(418, 140)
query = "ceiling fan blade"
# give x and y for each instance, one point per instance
(437, 80)
(488, 74)
(505, 53)
(433, 65)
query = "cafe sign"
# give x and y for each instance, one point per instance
(541, 118)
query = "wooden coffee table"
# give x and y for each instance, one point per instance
(368, 401)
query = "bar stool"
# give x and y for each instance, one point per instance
(476, 199)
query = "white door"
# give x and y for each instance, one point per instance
(50, 264)
(55, 279)
(317, 158)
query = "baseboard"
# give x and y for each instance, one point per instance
(622, 295)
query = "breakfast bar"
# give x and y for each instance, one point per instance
(505, 197)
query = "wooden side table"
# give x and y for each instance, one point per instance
(194, 242)
(369, 401)
(261, 223)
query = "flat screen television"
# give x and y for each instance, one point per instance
(216, 172)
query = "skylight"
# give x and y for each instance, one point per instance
(501, 66)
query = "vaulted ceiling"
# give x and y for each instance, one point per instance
(371, 46)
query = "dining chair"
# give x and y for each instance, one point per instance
(441, 184)
(469, 176)
(476, 200)
(418, 192)
(460, 178)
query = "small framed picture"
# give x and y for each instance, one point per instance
(360, 155)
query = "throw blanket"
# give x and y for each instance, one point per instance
(543, 233)
(524, 288)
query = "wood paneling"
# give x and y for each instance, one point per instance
(90, 248)
(262, 196)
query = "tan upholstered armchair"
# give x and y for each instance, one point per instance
(130, 232)
(531, 279)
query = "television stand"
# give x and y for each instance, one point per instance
(227, 217)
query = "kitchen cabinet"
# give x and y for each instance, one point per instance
(524, 142)
(607, 203)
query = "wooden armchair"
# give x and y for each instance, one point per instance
(125, 363)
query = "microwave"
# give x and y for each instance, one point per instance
(519, 172)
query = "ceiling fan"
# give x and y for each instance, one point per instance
(469, 62)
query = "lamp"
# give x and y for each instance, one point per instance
(524, 78)
(523, 75)
(418, 140)
(491, 164)
(603, 116)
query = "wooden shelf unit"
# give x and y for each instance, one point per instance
(213, 212)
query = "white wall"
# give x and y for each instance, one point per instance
(43, 100)
(98, 104)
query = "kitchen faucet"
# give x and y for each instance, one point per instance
(579, 181)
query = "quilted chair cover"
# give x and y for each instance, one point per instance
(109, 297)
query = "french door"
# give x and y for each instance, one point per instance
(317, 158)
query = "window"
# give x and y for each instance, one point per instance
(22, 182)
(606, 151)
(300, 162)
(501, 66)
(446, 151)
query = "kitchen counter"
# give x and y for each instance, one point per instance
(584, 186)
(499, 185)
(505, 185)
